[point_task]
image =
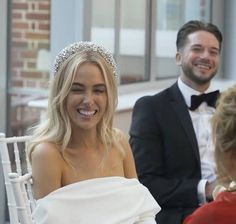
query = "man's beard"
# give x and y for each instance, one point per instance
(188, 72)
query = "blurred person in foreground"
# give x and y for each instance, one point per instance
(83, 168)
(222, 209)
(170, 133)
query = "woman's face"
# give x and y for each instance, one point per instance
(87, 99)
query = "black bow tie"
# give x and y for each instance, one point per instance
(209, 98)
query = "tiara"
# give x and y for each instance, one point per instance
(83, 47)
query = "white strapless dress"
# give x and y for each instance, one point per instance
(108, 200)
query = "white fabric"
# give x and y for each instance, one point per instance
(108, 200)
(201, 122)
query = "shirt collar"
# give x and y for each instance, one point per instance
(187, 91)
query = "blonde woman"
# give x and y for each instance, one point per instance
(83, 169)
(222, 209)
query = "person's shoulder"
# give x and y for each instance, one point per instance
(166, 92)
(121, 137)
(122, 140)
(46, 150)
(145, 100)
(159, 96)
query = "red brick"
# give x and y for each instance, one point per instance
(16, 15)
(44, 26)
(17, 83)
(19, 44)
(16, 35)
(44, 6)
(37, 16)
(37, 36)
(17, 64)
(33, 74)
(28, 54)
(19, 5)
(20, 25)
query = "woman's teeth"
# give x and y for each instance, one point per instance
(87, 112)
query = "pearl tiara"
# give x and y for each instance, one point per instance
(82, 46)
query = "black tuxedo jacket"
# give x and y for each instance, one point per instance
(166, 153)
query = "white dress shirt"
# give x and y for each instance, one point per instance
(201, 122)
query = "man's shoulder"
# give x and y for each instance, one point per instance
(162, 95)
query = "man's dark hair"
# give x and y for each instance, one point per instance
(193, 26)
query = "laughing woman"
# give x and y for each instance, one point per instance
(83, 168)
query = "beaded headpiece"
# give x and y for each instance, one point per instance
(83, 47)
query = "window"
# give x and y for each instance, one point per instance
(121, 29)
(170, 15)
(142, 33)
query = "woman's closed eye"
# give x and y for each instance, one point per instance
(99, 90)
(82, 90)
(77, 89)
(96, 89)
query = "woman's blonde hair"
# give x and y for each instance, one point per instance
(57, 127)
(224, 131)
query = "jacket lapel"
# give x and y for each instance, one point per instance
(180, 108)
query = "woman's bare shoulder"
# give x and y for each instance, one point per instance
(122, 138)
(47, 165)
(46, 150)
(119, 134)
(128, 160)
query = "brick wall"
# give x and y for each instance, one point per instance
(29, 59)
(30, 36)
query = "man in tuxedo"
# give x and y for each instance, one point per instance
(171, 136)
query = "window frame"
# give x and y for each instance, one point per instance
(3, 63)
(3, 93)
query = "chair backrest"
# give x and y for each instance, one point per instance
(14, 159)
(22, 191)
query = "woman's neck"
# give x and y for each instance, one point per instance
(85, 140)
